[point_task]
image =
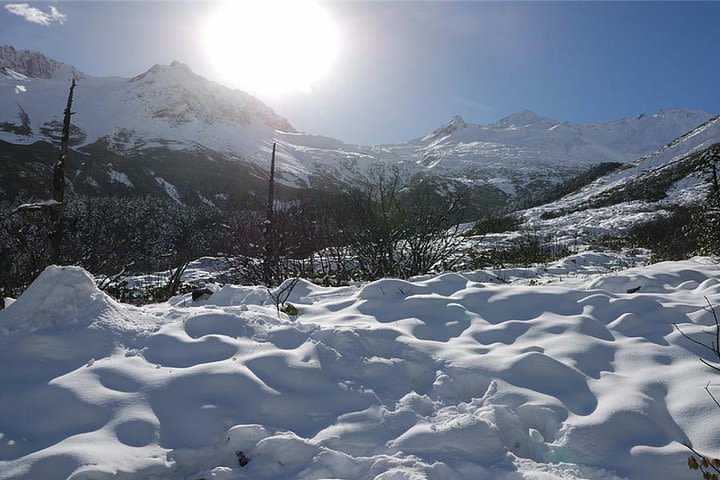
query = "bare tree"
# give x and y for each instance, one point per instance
(432, 230)
(280, 297)
(55, 206)
(401, 228)
(376, 222)
(56, 212)
(269, 230)
(175, 279)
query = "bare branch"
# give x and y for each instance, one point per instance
(692, 339)
(707, 389)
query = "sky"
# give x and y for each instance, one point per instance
(401, 69)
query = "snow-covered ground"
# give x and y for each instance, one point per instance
(447, 377)
(576, 217)
(573, 269)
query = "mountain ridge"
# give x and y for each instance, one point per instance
(676, 174)
(169, 110)
(34, 64)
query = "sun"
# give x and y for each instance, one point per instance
(271, 47)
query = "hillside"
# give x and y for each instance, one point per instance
(122, 126)
(678, 173)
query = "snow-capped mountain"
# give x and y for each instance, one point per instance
(24, 64)
(168, 102)
(519, 156)
(127, 128)
(678, 173)
(530, 138)
(525, 153)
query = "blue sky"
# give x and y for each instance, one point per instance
(405, 67)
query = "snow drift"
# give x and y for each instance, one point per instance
(443, 378)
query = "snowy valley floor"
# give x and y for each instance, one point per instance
(448, 377)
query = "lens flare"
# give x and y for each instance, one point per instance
(271, 47)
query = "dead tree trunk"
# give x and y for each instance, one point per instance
(175, 280)
(56, 210)
(716, 187)
(269, 254)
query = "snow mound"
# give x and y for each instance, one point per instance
(59, 297)
(67, 298)
(437, 378)
(664, 277)
(230, 295)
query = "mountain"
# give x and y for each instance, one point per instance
(678, 173)
(24, 64)
(525, 154)
(171, 132)
(168, 103)
(165, 131)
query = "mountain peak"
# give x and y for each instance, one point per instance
(180, 96)
(34, 64)
(455, 123)
(174, 69)
(677, 113)
(179, 65)
(522, 119)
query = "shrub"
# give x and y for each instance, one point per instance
(526, 250)
(496, 224)
(669, 237)
(705, 227)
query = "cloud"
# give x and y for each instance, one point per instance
(35, 15)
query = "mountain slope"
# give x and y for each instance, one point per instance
(170, 111)
(675, 174)
(167, 102)
(23, 64)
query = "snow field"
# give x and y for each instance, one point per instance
(439, 378)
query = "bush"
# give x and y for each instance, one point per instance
(106, 235)
(705, 227)
(401, 229)
(525, 250)
(497, 224)
(669, 237)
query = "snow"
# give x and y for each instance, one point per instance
(169, 104)
(206, 200)
(38, 205)
(61, 297)
(170, 189)
(443, 377)
(119, 177)
(12, 74)
(576, 219)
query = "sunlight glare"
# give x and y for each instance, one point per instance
(271, 47)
